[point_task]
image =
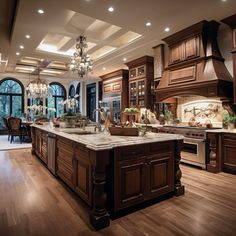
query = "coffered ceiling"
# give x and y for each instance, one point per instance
(111, 36)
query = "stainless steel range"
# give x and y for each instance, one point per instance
(194, 143)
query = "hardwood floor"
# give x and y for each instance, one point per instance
(33, 202)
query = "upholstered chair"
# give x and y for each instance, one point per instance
(16, 128)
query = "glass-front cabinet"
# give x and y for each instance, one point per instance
(133, 94)
(141, 79)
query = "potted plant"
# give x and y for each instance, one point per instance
(168, 116)
(70, 116)
(229, 120)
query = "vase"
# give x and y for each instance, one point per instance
(70, 121)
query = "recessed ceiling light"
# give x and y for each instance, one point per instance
(17, 53)
(148, 24)
(104, 68)
(223, 0)
(124, 59)
(110, 9)
(167, 29)
(21, 47)
(40, 11)
(27, 36)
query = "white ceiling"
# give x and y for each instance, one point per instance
(65, 20)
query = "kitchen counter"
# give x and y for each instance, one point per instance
(111, 173)
(104, 141)
(233, 131)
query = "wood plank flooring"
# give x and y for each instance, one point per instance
(33, 202)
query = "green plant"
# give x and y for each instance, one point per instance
(168, 115)
(227, 118)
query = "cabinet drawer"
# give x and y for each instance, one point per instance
(65, 144)
(161, 148)
(130, 152)
(230, 138)
(81, 151)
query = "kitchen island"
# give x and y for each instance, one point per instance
(111, 173)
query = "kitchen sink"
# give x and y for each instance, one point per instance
(80, 132)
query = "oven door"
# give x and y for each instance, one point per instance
(193, 152)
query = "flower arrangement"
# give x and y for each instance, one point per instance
(37, 110)
(70, 116)
(70, 105)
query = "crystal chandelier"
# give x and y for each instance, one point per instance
(38, 88)
(81, 62)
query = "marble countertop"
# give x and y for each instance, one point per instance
(102, 141)
(233, 131)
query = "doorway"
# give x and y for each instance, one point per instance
(91, 101)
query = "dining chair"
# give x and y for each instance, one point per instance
(16, 128)
(5, 120)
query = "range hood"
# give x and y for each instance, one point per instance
(196, 66)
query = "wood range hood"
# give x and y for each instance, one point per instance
(196, 66)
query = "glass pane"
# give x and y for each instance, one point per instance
(59, 106)
(10, 86)
(78, 89)
(72, 91)
(17, 106)
(4, 108)
(51, 103)
(57, 90)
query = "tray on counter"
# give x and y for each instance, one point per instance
(124, 131)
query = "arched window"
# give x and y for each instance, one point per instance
(11, 97)
(78, 98)
(58, 95)
(72, 91)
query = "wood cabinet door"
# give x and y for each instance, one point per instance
(65, 161)
(229, 153)
(129, 183)
(44, 147)
(191, 48)
(83, 174)
(160, 178)
(133, 94)
(176, 53)
(38, 143)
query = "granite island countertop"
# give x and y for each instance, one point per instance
(103, 141)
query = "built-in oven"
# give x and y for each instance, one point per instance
(193, 152)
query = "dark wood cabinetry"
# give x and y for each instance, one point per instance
(111, 180)
(141, 82)
(195, 66)
(116, 83)
(221, 154)
(83, 173)
(229, 153)
(231, 21)
(142, 173)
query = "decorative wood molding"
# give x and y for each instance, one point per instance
(99, 216)
(179, 188)
(214, 152)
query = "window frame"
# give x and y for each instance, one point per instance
(57, 96)
(22, 94)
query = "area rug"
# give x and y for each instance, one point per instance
(6, 145)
